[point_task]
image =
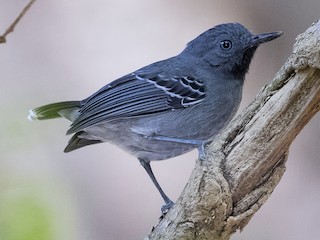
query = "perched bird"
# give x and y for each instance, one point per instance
(169, 107)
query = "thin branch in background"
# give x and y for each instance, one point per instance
(13, 25)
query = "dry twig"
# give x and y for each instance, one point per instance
(3, 37)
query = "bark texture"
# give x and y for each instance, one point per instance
(247, 160)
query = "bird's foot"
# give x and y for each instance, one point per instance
(202, 150)
(165, 208)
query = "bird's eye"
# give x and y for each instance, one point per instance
(226, 44)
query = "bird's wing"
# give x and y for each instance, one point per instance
(138, 95)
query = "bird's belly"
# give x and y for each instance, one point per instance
(137, 144)
(155, 150)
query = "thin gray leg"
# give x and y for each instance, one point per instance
(177, 140)
(169, 203)
(200, 144)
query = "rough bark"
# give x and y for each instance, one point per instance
(245, 162)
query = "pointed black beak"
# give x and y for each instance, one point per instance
(264, 37)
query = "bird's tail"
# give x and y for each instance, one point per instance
(68, 110)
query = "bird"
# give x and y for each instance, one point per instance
(169, 107)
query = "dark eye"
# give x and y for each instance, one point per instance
(226, 44)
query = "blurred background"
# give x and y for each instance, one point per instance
(66, 50)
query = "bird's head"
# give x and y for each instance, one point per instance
(229, 47)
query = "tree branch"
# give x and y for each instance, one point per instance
(247, 160)
(10, 29)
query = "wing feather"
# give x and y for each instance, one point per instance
(138, 95)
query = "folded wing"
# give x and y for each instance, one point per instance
(138, 95)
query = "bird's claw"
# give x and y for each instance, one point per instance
(202, 150)
(165, 208)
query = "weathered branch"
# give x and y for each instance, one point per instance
(3, 37)
(247, 160)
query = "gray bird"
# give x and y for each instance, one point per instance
(169, 107)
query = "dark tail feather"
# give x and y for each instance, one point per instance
(68, 110)
(76, 142)
(54, 110)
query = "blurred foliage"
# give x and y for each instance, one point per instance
(24, 216)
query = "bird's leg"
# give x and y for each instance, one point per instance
(200, 144)
(169, 203)
(177, 140)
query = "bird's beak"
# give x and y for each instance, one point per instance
(264, 37)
